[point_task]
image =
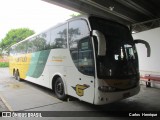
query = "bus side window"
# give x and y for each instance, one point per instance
(78, 29)
(79, 44)
(42, 41)
(29, 46)
(85, 56)
(59, 37)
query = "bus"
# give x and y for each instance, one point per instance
(87, 57)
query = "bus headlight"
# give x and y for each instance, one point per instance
(106, 89)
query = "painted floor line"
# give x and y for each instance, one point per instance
(6, 103)
(40, 106)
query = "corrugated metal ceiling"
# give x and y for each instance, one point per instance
(140, 14)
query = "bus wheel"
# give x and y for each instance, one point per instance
(59, 89)
(17, 76)
(14, 74)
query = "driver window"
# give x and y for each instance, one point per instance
(80, 46)
(85, 55)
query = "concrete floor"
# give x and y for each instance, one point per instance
(26, 96)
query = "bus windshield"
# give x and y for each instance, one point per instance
(121, 60)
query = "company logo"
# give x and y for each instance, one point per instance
(21, 59)
(58, 58)
(80, 89)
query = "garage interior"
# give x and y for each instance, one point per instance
(139, 14)
(143, 17)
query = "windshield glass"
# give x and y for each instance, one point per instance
(121, 56)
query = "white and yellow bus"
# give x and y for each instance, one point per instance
(87, 57)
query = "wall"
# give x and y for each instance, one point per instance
(149, 65)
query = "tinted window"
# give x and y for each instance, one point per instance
(13, 50)
(81, 46)
(21, 48)
(30, 45)
(85, 56)
(120, 61)
(39, 42)
(59, 37)
(77, 30)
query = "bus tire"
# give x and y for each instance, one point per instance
(17, 76)
(14, 74)
(59, 89)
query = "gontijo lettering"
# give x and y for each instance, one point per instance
(58, 58)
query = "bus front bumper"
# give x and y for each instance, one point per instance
(102, 98)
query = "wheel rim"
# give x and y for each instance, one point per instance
(59, 88)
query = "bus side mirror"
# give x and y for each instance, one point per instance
(146, 44)
(101, 42)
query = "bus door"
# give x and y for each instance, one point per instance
(83, 70)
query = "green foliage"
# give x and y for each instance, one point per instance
(14, 36)
(4, 64)
(0, 53)
(75, 15)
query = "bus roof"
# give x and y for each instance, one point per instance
(59, 24)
